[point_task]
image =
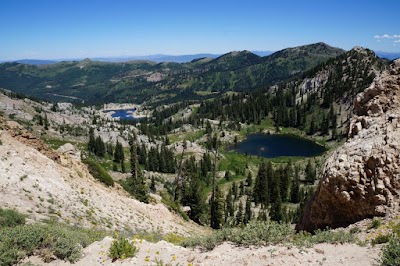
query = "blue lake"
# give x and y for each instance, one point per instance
(271, 146)
(123, 114)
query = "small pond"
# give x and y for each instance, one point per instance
(271, 146)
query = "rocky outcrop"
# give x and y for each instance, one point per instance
(361, 179)
(71, 150)
(24, 136)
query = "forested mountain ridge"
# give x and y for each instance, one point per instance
(139, 81)
(319, 101)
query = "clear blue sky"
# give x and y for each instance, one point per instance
(49, 29)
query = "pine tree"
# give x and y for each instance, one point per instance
(40, 122)
(247, 214)
(234, 190)
(119, 153)
(276, 209)
(196, 200)
(239, 214)
(241, 188)
(227, 176)
(310, 173)
(92, 141)
(46, 122)
(153, 185)
(137, 182)
(230, 210)
(260, 192)
(99, 147)
(249, 180)
(217, 209)
(123, 169)
(285, 178)
(295, 187)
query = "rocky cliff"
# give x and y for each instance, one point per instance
(361, 179)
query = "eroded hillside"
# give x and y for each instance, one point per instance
(46, 184)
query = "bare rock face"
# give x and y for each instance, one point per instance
(362, 178)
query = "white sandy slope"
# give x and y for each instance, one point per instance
(35, 185)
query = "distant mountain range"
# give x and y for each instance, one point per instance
(390, 56)
(158, 58)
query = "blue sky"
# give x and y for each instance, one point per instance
(91, 28)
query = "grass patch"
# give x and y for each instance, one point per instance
(56, 143)
(99, 172)
(11, 218)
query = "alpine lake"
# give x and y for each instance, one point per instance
(278, 145)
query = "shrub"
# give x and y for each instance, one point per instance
(65, 242)
(375, 223)
(11, 218)
(380, 239)
(121, 248)
(323, 236)
(99, 172)
(254, 233)
(391, 253)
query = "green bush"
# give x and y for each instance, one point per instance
(305, 239)
(380, 239)
(65, 242)
(11, 218)
(121, 248)
(375, 223)
(99, 172)
(391, 253)
(254, 233)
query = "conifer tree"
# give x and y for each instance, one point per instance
(239, 214)
(310, 173)
(234, 190)
(46, 122)
(217, 209)
(227, 176)
(123, 169)
(241, 188)
(196, 201)
(276, 209)
(249, 180)
(230, 210)
(247, 214)
(260, 192)
(295, 187)
(153, 185)
(119, 153)
(92, 141)
(137, 183)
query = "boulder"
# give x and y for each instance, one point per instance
(71, 150)
(361, 179)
